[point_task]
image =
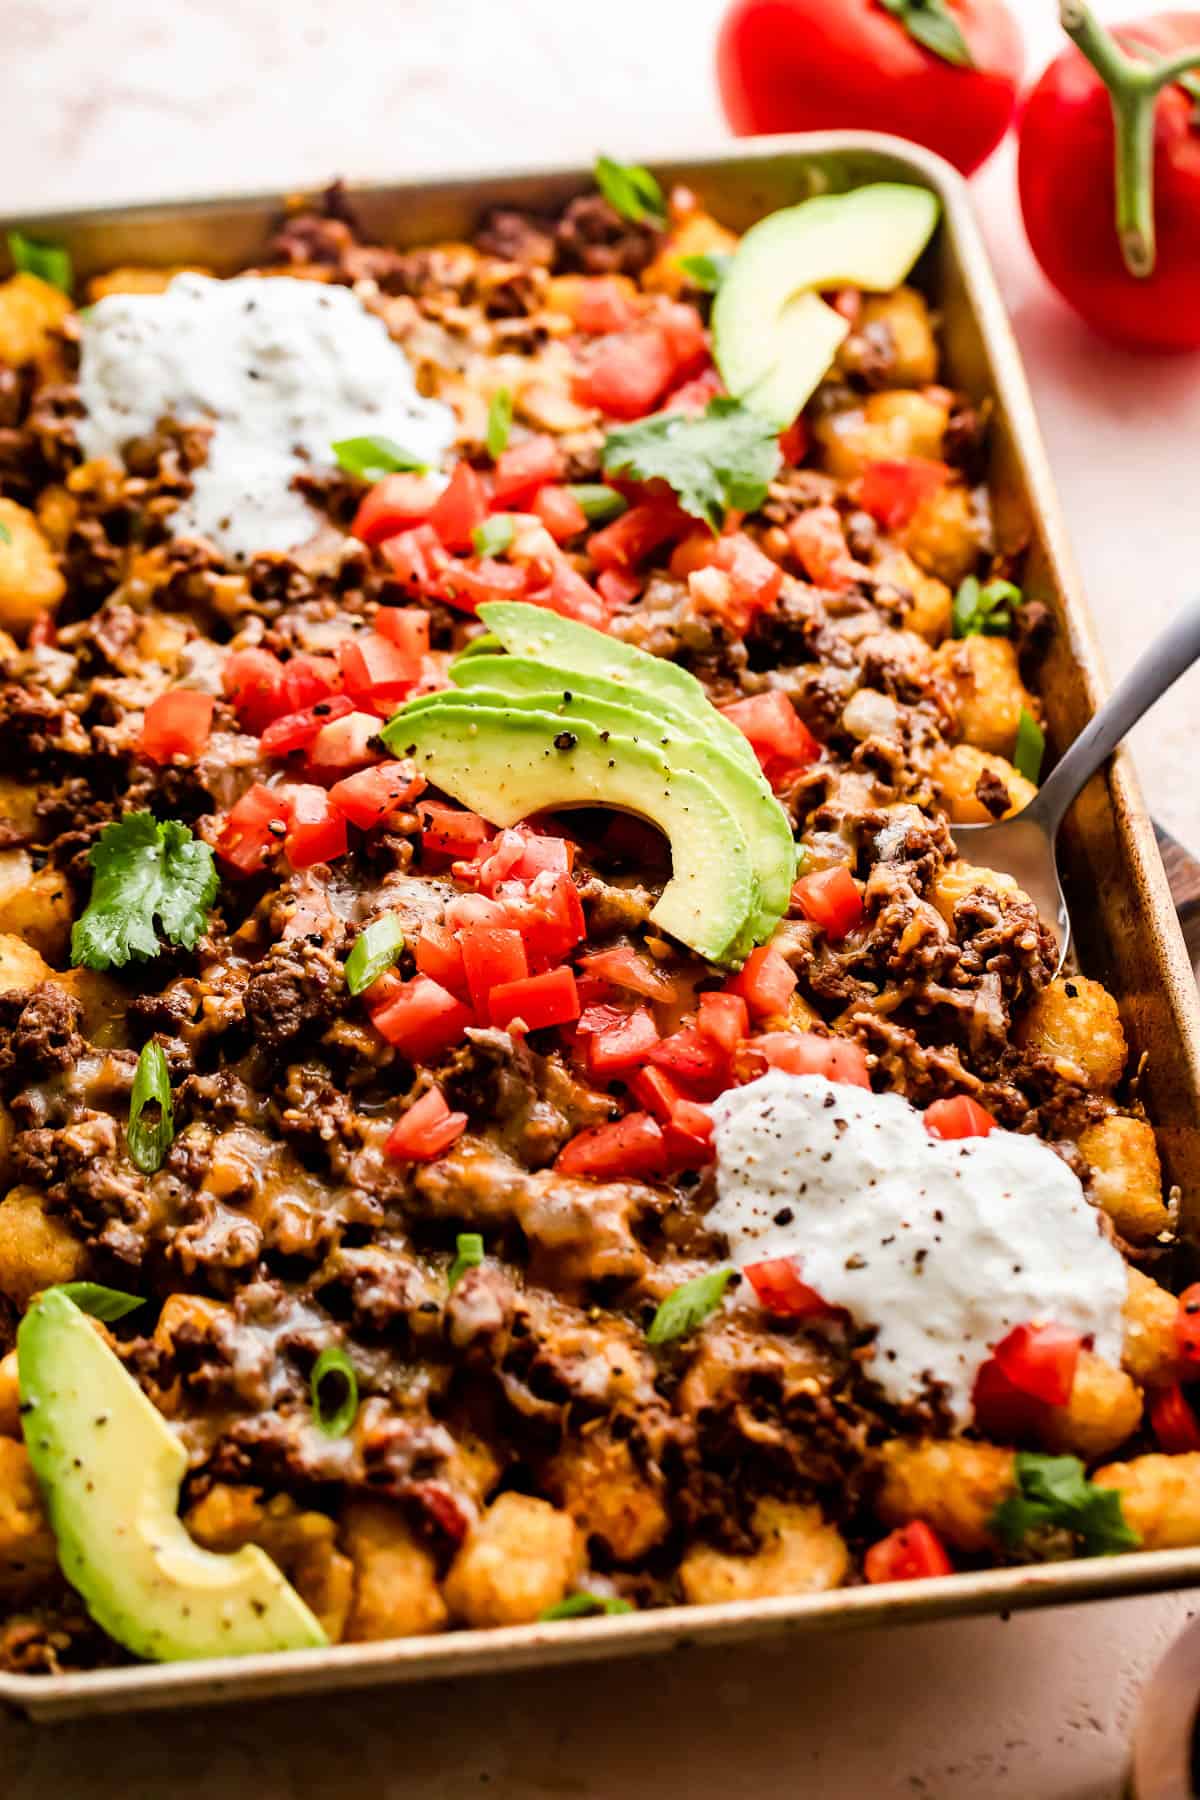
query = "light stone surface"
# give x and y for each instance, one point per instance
(139, 99)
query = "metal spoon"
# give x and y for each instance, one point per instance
(1025, 845)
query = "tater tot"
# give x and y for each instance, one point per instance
(954, 881)
(695, 235)
(28, 1553)
(931, 604)
(135, 278)
(799, 1553)
(597, 1481)
(395, 1577)
(301, 1543)
(983, 675)
(31, 310)
(36, 1248)
(953, 1485)
(899, 423)
(1126, 1175)
(10, 1397)
(21, 966)
(35, 904)
(520, 1558)
(1075, 1021)
(31, 582)
(945, 536)
(1149, 1352)
(1105, 1408)
(906, 316)
(1160, 1498)
(958, 768)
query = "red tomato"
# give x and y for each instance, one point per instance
(421, 1018)
(959, 1117)
(368, 797)
(690, 1057)
(621, 1045)
(779, 1288)
(253, 681)
(723, 1018)
(632, 1146)
(439, 955)
(521, 471)
(542, 852)
(766, 982)
(793, 443)
(375, 671)
(818, 542)
(1003, 1411)
(626, 969)
(912, 1553)
(492, 955)
(461, 506)
(569, 594)
(1073, 205)
(603, 303)
(348, 743)
(307, 679)
(392, 504)
(1187, 1325)
(537, 1001)
(804, 1053)
(779, 736)
(176, 724)
(1174, 1422)
(416, 558)
(809, 65)
(549, 916)
(636, 533)
(694, 395)
(254, 829)
(892, 491)
(294, 731)
(683, 331)
(628, 372)
(618, 589)
(1040, 1360)
(738, 580)
(658, 1092)
(425, 1130)
(449, 831)
(408, 628)
(830, 899)
(468, 584)
(560, 512)
(317, 832)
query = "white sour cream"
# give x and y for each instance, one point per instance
(943, 1247)
(282, 368)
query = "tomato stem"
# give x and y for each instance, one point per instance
(1133, 89)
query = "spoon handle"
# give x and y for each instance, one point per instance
(1151, 675)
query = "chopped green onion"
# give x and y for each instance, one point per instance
(984, 611)
(707, 272)
(630, 190)
(499, 422)
(368, 458)
(149, 1138)
(334, 1363)
(580, 1606)
(375, 950)
(100, 1302)
(484, 645)
(803, 858)
(1030, 747)
(49, 262)
(5, 533)
(600, 502)
(688, 1306)
(469, 1246)
(494, 535)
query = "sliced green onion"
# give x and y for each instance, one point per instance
(49, 262)
(688, 1306)
(486, 644)
(100, 1302)
(5, 533)
(334, 1364)
(469, 1247)
(499, 422)
(707, 272)
(1030, 747)
(984, 611)
(803, 858)
(494, 535)
(630, 190)
(580, 1606)
(367, 458)
(375, 950)
(149, 1138)
(600, 503)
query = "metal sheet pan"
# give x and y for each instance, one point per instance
(1126, 927)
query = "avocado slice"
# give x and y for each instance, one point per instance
(109, 1467)
(506, 763)
(564, 644)
(763, 820)
(773, 335)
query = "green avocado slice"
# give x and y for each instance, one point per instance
(109, 1467)
(768, 834)
(506, 763)
(564, 644)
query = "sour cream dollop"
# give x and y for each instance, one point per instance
(282, 368)
(943, 1247)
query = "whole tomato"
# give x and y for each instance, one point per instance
(1109, 176)
(942, 72)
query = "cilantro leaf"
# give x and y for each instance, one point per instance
(1055, 1491)
(49, 262)
(99, 1302)
(630, 190)
(688, 1306)
(144, 871)
(707, 272)
(724, 459)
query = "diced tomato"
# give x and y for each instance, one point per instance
(493, 957)
(393, 503)
(892, 491)
(549, 916)
(766, 982)
(604, 303)
(1003, 1411)
(690, 1057)
(694, 395)
(830, 899)
(913, 1553)
(572, 596)
(778, 734)
(422, 1019)
(425, 1130)
(632, 1147)
(253, 681)
(417, 559)
(1040, 1360)
(368, 797)
(724, 1018)
(537, 1001)
(600, 1015)
(408, 628)
(818, 543)
(439, 955)
(475, 909)
(177, 723)
(296, 730)
(959, 1117)
(254, 829)
(560, 512)
(376, 672)
(621, 1045)
(450, 831)
(685, 336)
(658, 1092)
(349, 743)
(468, 585)
(793, 443)
(523, 469)
(688, 1137)
(492, 863)
(628, 371)
(626, 969)
(847, 301)
(729, 575)
(307, 679)
(317, 832)
(1174, 1421)
(460, 507)
(1187, 1325)
(618, 589)
(756, 579)
(636, 533)
(777, 1283)
(804, 1053)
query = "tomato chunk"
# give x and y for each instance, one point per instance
(636, 533)
(831, 900)
(913, 1553)
(618, 589)
(632, 1146)
(780, 738)
(253, 681)
(626, 969)
(307, 679)
(724, 1018)
(628, 371)
(1174, 1421)
(537, 1001)
(350, 742)
(689, 1056)
(376, 671)
(370, 796)
(294, 731)
(425, 1130)
(777, 1283)
(461, 506)
(438, 954)
(468, 584)
(793, 443)
(521, 471)
(621, 1045)
(449, 831)
(421, 1018)
(176, 724)
(549, 916)
(693, 396)
(1003, 1411)
(1040, 1360)
(766, 982)
(958, 1117)
(1187, 1325)
(603, 303)
(317, 832)
(560, 512)
(804, 1053)
(493, 956)
(393, 503)
(892, 491)
(254, 828)
(416, 558)
(408, 628)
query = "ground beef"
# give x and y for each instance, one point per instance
(516, 237)
(593, 237)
